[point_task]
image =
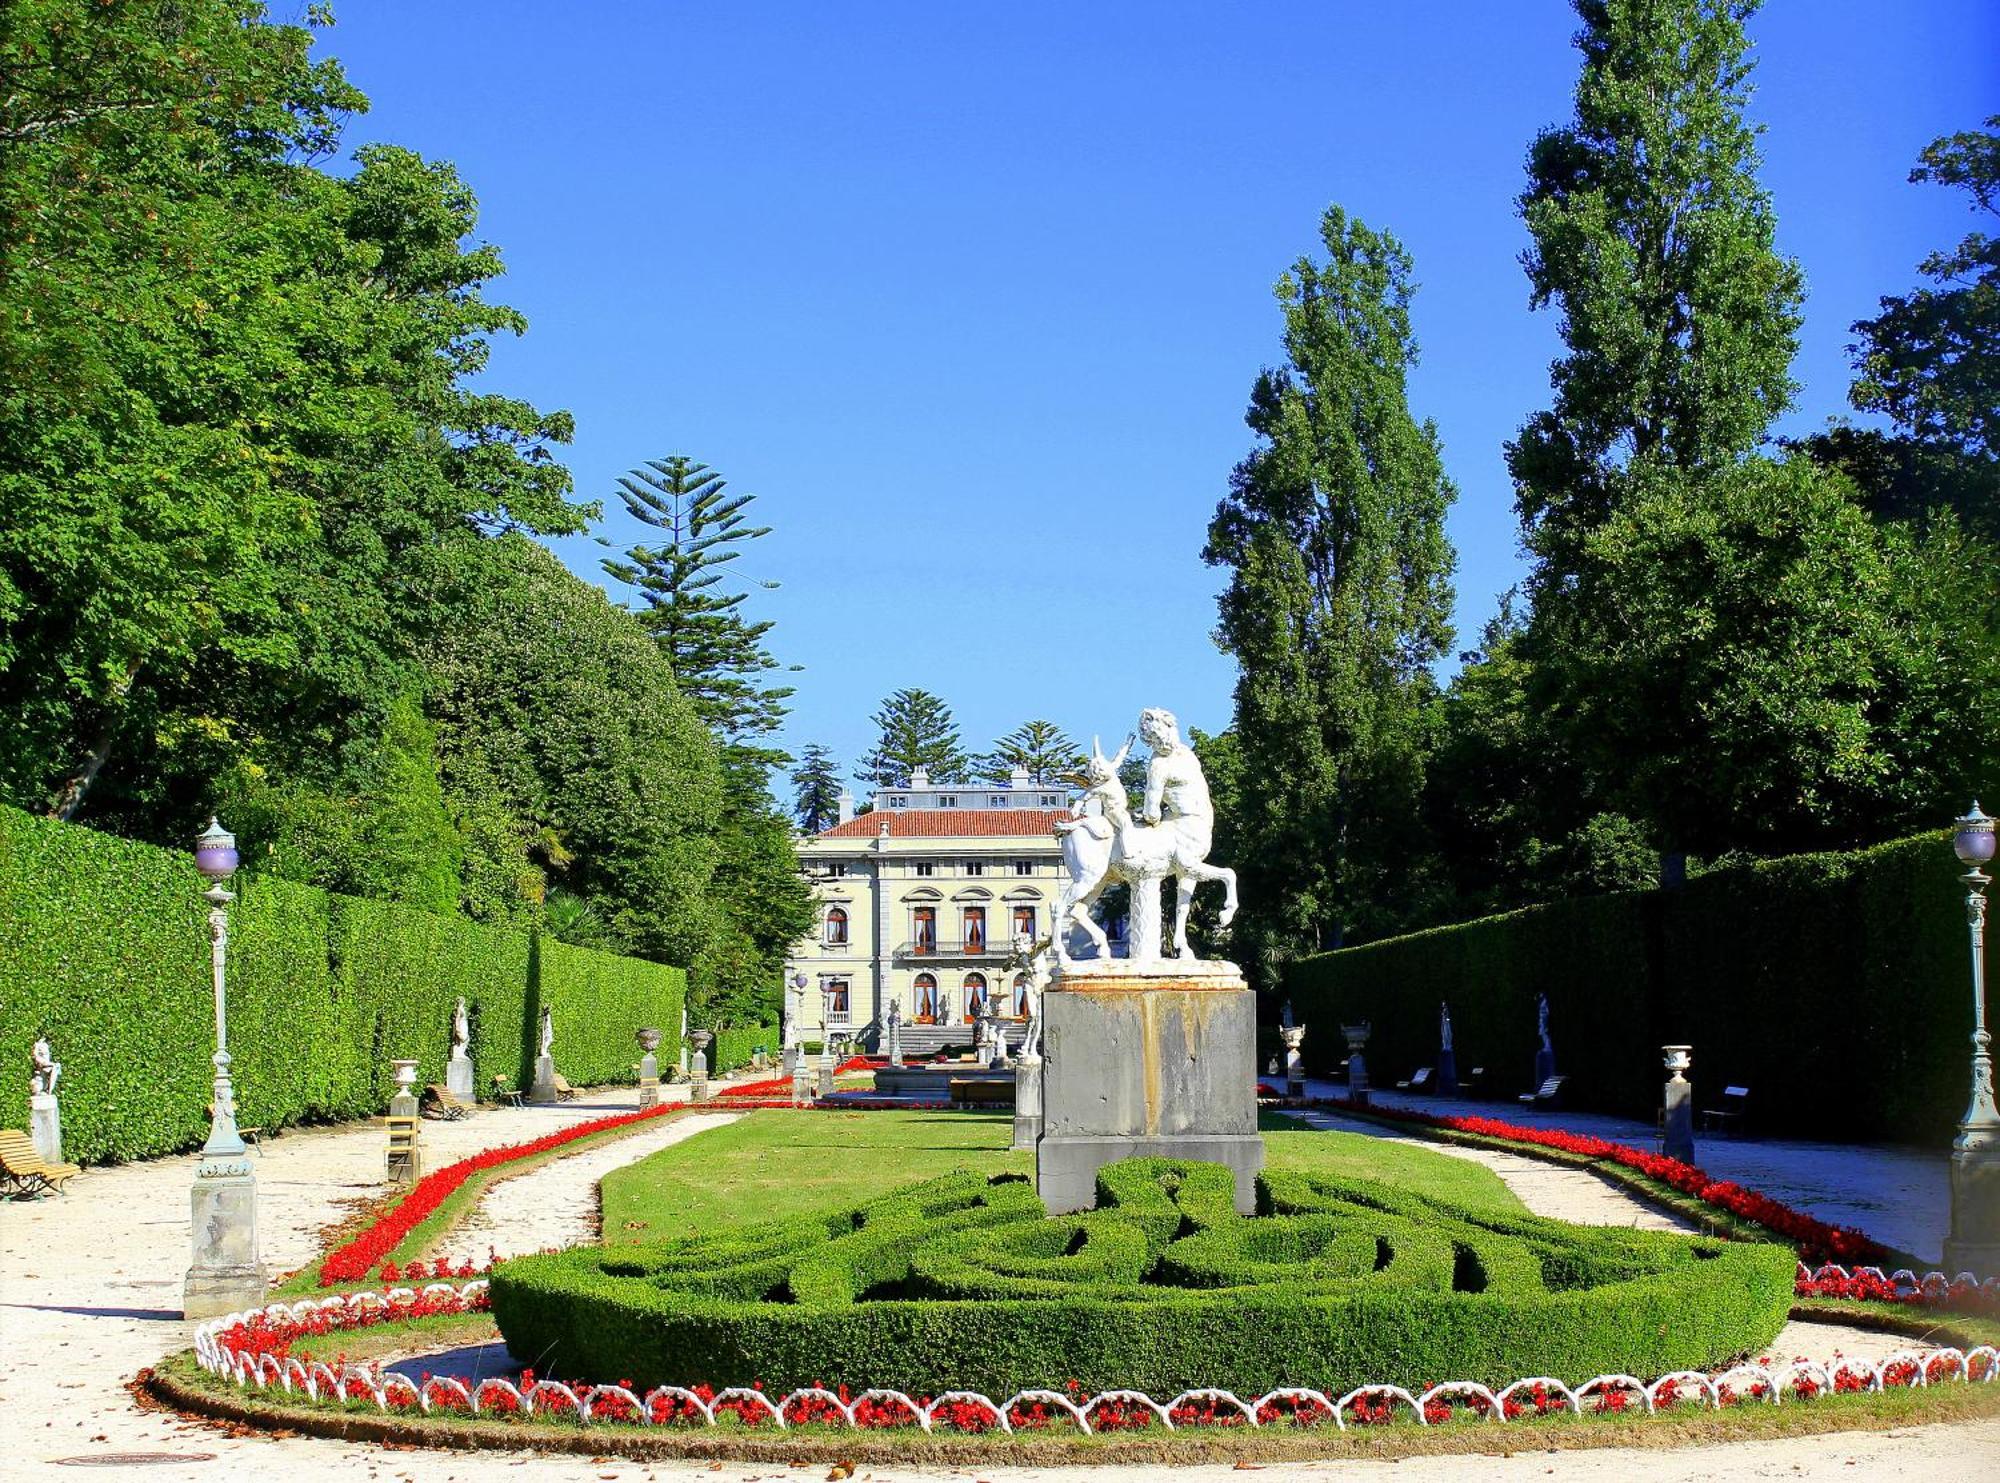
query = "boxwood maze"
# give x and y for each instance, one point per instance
(966, 1282)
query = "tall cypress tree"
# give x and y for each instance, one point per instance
(1043, 748)
(1655, 242)
(816, 789)
(1339, 599)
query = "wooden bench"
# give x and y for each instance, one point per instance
(1729, 1117)
(1421, 1082)
(1548, 1094)
(438, 1101)
(564, 1091)
(25, 1171)
(1473, 1082)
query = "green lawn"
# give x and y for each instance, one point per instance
(778, 1163)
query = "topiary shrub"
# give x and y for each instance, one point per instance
(965, 1282)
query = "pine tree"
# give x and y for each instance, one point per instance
(718, 655)
(816, 785)
(1339, 598)
(1041, 747)
(914, 729)
(1654, 240)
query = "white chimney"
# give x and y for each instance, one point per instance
(844, 805)
(1018, 778)
(920, 777)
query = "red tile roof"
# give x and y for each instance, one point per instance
(947, 823)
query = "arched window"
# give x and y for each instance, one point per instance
(927, 999)
(836, 926)
(1020, 996)
(975, 995)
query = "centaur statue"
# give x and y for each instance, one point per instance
(1101, 843)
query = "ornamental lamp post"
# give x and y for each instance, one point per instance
(225, 1275)
(1974, 1242)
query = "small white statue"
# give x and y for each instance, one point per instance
(1444, 1026)
(461, 1030)
(1542, 1023)
(47, 1070)
(548, 1031)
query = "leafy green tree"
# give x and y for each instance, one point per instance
(717, 653)
(1653, 238)
(1042, 748)
(1783, 673)
(816, 789)
(557, 703)
(914, 729)
(242, 471)
(1930, 362)
(1339, 599)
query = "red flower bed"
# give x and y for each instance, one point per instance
(1815, 1239)
(355, 1260)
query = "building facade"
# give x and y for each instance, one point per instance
(918, 902)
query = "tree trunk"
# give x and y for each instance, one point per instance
(69, 798)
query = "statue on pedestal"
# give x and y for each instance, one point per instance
(461, 1030)
(1101, 843)
(45, 1070)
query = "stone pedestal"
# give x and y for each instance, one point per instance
(45, 1125)
(1974, 1243)
(649, 1081)
(789, 1061)
(1447, 1073)
(1545, 1067)
(543, 1092)
(824, 1083)
(1293, 1037)
(1679, 1140)
(1357, 1066)
(1027, 1100)
(458, 1079)
(226, 1276)
(896, 1041)
(1157, 1061)
(802, 1082)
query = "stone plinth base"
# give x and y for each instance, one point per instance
(824, 1082)
(45, 1125)
(1447, 1073)
(226, 1276)
(458, 1079)
(1155, 1062)
(1027, 1101)
(543, 1092)
(1974, 1243)
(1678, 1142)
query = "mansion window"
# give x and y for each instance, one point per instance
(975, 867)
(897, 800)
(1024, 921)
(994, 800)
(836, 1001)
(927, 999)
(1024, 867)
(836, 926)
(947, 800)
(975, 929)
(975, 995)
(836, 868)
(1020, 996)
(926, 867)
(923, 928)
(1049, 800)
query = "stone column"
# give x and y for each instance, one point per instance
(45, 1125)
(827, 1061)
(1357, 1068)
(700, 1040)
(895, 1022)
(802, 1082)
(1295, 1063)
(1679, 1140)
(649, 1068)
(1027, 1100)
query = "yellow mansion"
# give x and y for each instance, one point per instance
(919, 901)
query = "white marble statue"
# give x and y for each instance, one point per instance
(1444, 1026)
(1542, 1023)
(548, 1031)
(1101, 843)
(45, 1070)
(461, 1030)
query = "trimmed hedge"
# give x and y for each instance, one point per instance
(1834, 986)
(104, 947)
(733, 1048)
(964, 1281)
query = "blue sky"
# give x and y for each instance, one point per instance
(972, 296)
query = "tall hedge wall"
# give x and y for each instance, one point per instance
(1835, 986)
(733, 1048)
(104, 948)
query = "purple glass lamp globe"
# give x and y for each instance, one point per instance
(1973, 841)
(215, 852)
